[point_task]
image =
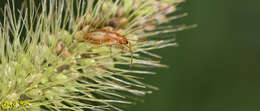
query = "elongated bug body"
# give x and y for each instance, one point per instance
(107, 37)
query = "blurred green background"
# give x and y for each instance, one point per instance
(216, 66)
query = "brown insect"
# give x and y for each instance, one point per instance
(107, 37)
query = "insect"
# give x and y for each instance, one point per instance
(110, 38)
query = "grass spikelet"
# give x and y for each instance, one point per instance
(74, 55)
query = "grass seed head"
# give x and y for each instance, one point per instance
(46, 64)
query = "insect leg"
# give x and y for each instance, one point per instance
(130, 50)
(110, 48)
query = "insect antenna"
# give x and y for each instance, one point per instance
(137, 40)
